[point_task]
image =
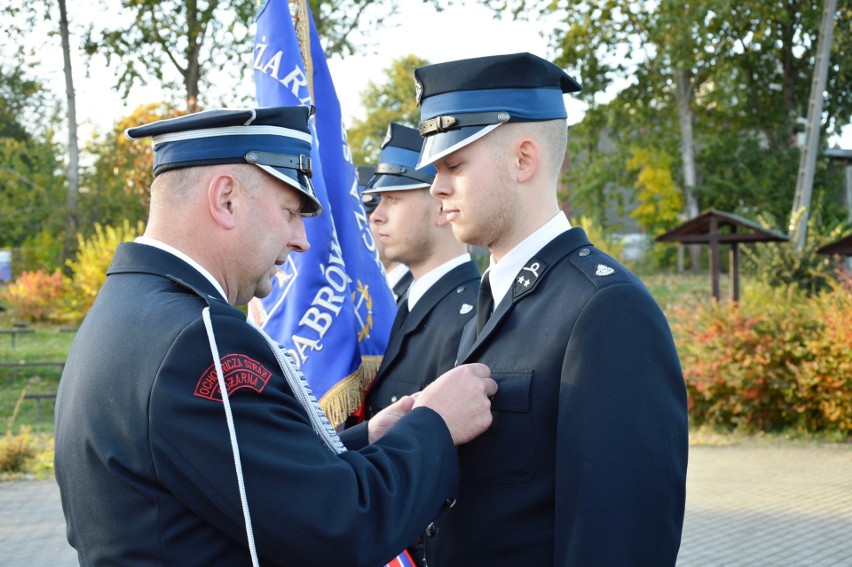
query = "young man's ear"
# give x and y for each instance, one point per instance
(528, 154)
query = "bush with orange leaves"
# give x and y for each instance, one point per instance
(778, 360)
(35, 296)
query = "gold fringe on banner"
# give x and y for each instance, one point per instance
(347, 395)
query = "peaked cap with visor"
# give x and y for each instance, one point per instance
(275, 139)
(462, 101)
(397, 169)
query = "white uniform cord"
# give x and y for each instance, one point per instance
(302, 390)
(208, 324)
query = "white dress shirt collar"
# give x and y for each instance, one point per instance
(175, 252)
(503, 273)
(421, 285)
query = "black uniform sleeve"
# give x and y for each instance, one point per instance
(308, 506)
(622, 434)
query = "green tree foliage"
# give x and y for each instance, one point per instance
(743, 67)
(89, 267)
(39, 251)
(596, 172)
(31, 190)
(162, 40)
(783, 264)
(16, 93)
(20, 20)
(31, 181)
(344, 25)
(195, 46)
(659, 201)
(117, 186)
(390, 101)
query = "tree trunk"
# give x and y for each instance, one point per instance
(687, 149)
(73, 172)
(193, 50)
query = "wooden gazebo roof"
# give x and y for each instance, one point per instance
(842, 247)
(717, 227)
(699, 230)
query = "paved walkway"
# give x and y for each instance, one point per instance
(756, 504)
(779, 505)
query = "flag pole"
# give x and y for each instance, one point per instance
(299, 13)
(347, 395)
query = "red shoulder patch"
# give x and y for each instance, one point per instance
(240, 372)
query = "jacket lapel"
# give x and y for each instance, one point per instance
(424, 306)
(525, 284)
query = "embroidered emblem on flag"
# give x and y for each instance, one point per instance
(240, 372)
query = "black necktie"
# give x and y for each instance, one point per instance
(401, 314)
(484, 303)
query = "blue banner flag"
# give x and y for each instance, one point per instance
(331, 306)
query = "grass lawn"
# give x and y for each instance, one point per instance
(21, 375)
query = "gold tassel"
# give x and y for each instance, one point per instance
(347, 395)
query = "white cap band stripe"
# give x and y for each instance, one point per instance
(231, 131)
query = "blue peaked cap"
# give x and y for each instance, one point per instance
(275, 139)
(461, 101)
(365, 174)
(397, 169)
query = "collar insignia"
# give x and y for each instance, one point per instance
(527, 277)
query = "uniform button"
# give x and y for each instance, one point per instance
(584, 252)
(460, 290)
(449, 503)
(394, 399)
(432, 530)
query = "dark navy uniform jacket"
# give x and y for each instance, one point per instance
(143, 457)
(585, 462)
(427, 343)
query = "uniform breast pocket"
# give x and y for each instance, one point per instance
(506, 452)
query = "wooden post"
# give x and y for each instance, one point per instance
(714, 255)
(735, 272)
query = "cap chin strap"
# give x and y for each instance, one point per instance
(451, 122)
(300, 163)
(403, 171)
